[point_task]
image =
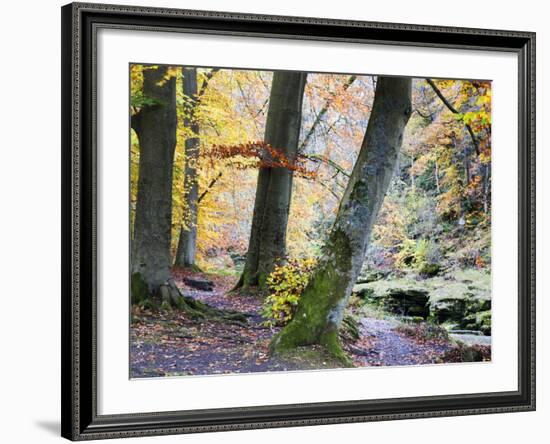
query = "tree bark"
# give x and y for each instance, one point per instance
(151, 279)
(321, 308)
(267, 244)
(156, 131)
(187, 244)
(486, 175)
(436, 175)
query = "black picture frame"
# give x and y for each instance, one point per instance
(80, 420)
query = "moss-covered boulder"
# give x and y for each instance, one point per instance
(429, 269)
(370, 276)
(403, 296)
(461, 297)
(480, 321)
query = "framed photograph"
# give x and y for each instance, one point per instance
(278, 221)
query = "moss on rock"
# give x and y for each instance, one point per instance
(457, 297)
(404, 296)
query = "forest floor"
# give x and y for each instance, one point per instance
(170, 343)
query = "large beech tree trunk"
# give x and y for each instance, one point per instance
(321, 308)
(155, 126)
(187, 244)
(267, 243)
(151, 279)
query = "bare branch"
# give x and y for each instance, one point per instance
(323, 111)
(208, 76)
(248, 107)
(209, 187)
(319, 158)
(454, 111)
(424, 116)
(326, 187)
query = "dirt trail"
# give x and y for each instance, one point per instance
(388, 347)
(169, 343)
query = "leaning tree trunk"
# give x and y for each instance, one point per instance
(267, 244)
(321, 307)
(187, 244)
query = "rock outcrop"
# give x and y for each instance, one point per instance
(461, 299)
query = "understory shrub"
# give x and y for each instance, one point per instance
(421, 255)
(285, 285)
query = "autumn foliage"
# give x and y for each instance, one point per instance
(259, 154)
(434, 220)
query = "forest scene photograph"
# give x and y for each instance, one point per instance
(291, 221)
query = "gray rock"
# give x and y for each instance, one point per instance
(461, 298)
(199, 284)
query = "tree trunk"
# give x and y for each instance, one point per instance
(267, 243)
(486, 171)
(187, 244)
(321, 307)
(155, 126)
(436, 175)
(151, 280)
(411, 173)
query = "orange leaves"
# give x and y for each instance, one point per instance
(480, 263)
(246, 150)
(475, 182)
(262, 154)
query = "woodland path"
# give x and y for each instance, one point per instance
(387, 347)
(171, 344)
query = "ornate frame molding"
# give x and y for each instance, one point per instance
(79, 394)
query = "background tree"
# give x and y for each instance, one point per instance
(267, 243)
(321, 307)
(187, 244)
(229, 110)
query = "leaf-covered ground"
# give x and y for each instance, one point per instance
(169, 343)
(383, 345)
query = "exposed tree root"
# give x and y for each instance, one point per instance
(238, 285)
(195, 268)
(172, 297)
(349, 331)
(286, 341)
(248, 287)
(245, 283)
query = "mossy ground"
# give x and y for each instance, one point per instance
(461, 297)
